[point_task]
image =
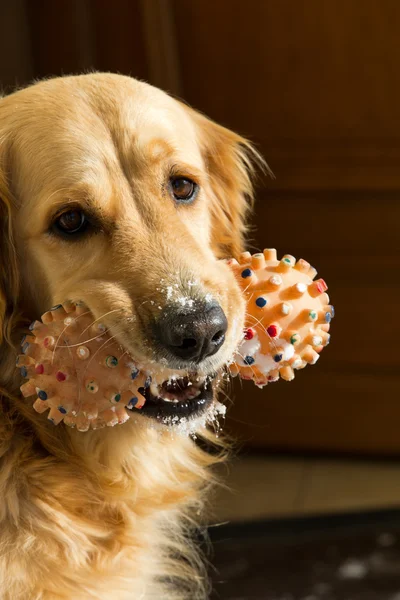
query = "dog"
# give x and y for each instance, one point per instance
(116, 194)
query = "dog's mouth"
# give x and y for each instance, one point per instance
(178, 398)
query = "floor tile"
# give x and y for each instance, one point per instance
(333, 485)
(259, 487)
(267, 487)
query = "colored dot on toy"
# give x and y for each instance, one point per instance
(60, 376)
(248, 360)
(42, 394)
(278, 357)
(23, 340)
(287, 260)
(312, 315)
(296, 364)
(62, 410)
(25, 348)
(316, 340)
(321, 286)
(111, 362)
(115, 398)
(328, 317)
(246, 273)
(24, 372)
(39, 369)
(261, 302)
(49, 341)
(332, 312)
(272, 331)
(92, 386)
(148, 381)
(56, 307)
(32, 326)
(302, 265)
(134, 373)
(132, 402)
(295, 339)
(98, 329)
(300, 288)
(328, 339)
(275, 280)
(286, 308)
(83, 352)
(249, 334)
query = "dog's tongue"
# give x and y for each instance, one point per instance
(77, 371)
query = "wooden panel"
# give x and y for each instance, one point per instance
(161, 49)
(321, 410)
(119, 37)
(316, 83)
(71, 36)
(352, 239)
(15, 55)
(61, 36)
(349, 401)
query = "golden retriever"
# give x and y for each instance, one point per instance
(114, 193)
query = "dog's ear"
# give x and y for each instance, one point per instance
(9, 280)
(231, 162)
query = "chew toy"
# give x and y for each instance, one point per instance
(287, 317)
(77, 371)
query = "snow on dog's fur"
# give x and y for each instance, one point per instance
(108, 513)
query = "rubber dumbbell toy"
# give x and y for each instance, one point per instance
(77, 372)
(287, 317)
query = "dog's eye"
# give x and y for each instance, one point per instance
(183, 189)
(71, 222)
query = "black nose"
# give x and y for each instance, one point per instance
(193, 334)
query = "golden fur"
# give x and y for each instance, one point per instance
(109, 513)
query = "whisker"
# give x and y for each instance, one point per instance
(123, 354)
(230, 401)
(62, 333)
(88, 340)
(246, 288)
(99, 319)
(257, 321)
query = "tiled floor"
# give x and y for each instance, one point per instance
(261, 487)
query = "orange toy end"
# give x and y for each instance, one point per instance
(288, 316)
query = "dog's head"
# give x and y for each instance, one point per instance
(114, 193)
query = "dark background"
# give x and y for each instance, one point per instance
(316, 85)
